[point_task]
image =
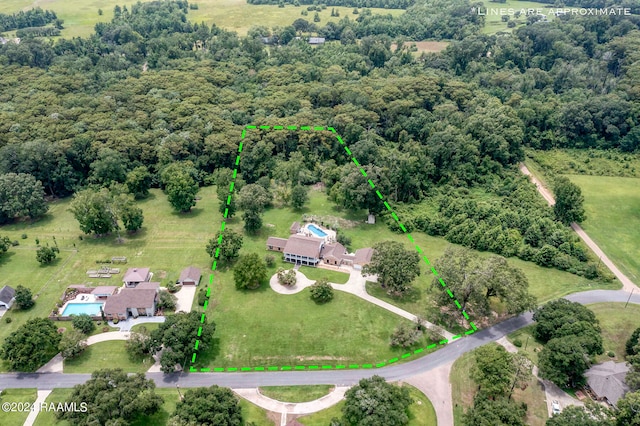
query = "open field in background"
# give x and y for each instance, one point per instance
(584, 162)
(617, 324)
(612, 205)
(234, 15)
(296, 393)
(493, 22)
(463, 389)
(16, 418)
(250, 412)
(421, 412)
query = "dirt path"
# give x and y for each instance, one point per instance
(627, 284)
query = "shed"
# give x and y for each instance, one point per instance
(190, 276)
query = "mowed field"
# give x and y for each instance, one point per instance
(80, 16)
(493, 19)
(612, 206)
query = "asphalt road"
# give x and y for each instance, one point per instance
(336, 377)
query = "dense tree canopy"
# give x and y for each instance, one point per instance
(227, 243)
(21, 195)
(212, 406)
(592, 414)
(32, 345)
(176, 337)
(473, 280)
(395, 266)
(373, 401)
(569, 201)
(249, 272)
(112, 397)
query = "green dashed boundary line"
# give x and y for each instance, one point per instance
(395, 217)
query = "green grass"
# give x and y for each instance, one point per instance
(149, 326)
(462, 386)
(585, 162)
(530, 346)
(493, 20)
(250, 412)
(617, 324)
(16, 418)
(421, 412)
(111, 354)
(167, 243)
(296, 393)
(235, 15)
(612, 205)
(319, 273)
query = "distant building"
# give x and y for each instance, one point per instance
(606, 381)
(7, 297)
(190, 276)
(138, 301)
(316, 40)
(135, 276)
(305, 248)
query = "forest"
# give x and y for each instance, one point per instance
(442, 133)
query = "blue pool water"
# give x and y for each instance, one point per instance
(92, 309)
(317, 231)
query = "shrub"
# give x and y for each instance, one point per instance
(405, 336)
(8, 320)
(321, 291)
(105, 329)
(23, 236)
(202, 297)
(116, 320)
(287, 278)
(37, 241)
(610, 354)
(172, 287)
(517, 343)
(270, 260)
(84, 323)
(15, 243)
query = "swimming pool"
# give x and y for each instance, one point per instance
(317, 231)
(92, 309)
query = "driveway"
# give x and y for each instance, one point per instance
(185, 298)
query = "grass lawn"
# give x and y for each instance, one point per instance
(612, 205)
(109, 354)
(250, 412)
(167, 243)
(16, 418)
(530, 345)
(149, 326)
(493, 19)
(617, 324)
(296, 393)
(421, 412)
(235, 15)
(319, 273)
(584, 162)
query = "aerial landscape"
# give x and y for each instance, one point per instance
(296, 212)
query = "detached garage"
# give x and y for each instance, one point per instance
(190, 276)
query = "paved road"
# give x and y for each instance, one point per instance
(447, 354)
(627, 284)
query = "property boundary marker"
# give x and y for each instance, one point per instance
(425, 259)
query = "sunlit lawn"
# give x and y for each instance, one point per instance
(20, 396)
(319, 273)
(296, 393)
(111, 354)
(617, 324)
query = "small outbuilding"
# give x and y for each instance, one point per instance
(7, 297)
(190, 276)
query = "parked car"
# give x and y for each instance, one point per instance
(555, 407)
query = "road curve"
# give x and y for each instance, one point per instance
(627, 284)
(447, 354)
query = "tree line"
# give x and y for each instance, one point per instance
(25, 19)
(387, 4)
